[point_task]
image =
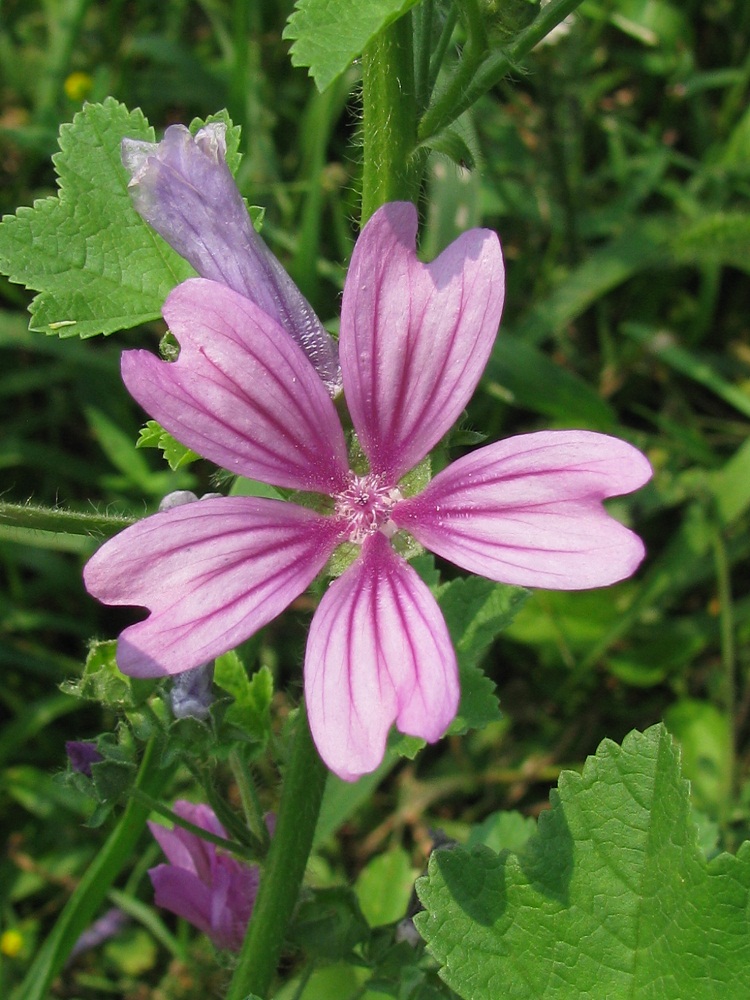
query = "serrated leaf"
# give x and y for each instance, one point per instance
(153, 435)
(252, 696)
(232, 137)
(97, 266)
(476, 611)
(611, 898)
(329, 34)
(705, 737)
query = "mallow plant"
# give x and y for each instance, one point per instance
(340, 443)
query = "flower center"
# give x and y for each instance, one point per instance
(365, 506)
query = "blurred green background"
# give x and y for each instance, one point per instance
(615, 165)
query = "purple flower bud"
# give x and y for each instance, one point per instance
(184, 189)
(211, 889)
(191, 696)
(82, 755)
(177, 499)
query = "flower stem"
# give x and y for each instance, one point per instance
(282, 876)
(153, 805)
(393, 165)
(92, 890)
(249, 798)
(473, 79)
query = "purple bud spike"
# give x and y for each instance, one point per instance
(184, 189)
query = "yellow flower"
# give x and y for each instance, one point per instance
(11, 943)
(77, 86)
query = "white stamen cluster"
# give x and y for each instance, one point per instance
(365, 505)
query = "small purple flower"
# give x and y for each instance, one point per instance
(184, 189)
(82, 755)
(415, 339)
(201, 883)
(107, 926)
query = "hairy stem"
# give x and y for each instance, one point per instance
(392, 170)
(282, 876)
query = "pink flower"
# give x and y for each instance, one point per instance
(415, 339)
(201, 883)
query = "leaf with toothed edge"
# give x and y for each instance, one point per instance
(96, 265)
(612, 897)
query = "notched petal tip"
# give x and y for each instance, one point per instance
(210, 573)
(415, 337)
(378, 653)
(528, 510)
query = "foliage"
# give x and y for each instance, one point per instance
(613, 161)
(613, 894)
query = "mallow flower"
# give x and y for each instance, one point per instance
(211, 889)
(414, 342)
(184, 189)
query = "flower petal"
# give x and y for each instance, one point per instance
(184, 189)
(183, 893)
(528, 510)
(241, 393)
(211, 573)
(185, 849)
(378, 652)
(415, 338)
(234, 888)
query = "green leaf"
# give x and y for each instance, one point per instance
(329, 924)
(153, 435)
(251, 711)
(328, 35)
(503, 831)
(611, 898)
(476, 611)
(98, 266)
(453, 145)
(384, 887)
(102, 681)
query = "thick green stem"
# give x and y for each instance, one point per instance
(92, 890)
(282, 876)
(392, 169)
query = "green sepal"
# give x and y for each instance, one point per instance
(102, 681)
